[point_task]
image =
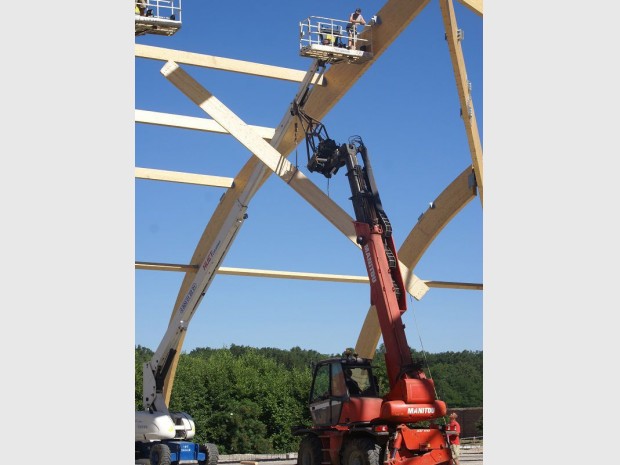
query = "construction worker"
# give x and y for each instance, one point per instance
(453, 429)
(352, 386)
(354, 19)
(141, 7)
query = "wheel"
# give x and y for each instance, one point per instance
(310, 452)
(361, 451)
(211, 452)
(160, 454)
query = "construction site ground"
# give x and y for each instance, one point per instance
(470, 455)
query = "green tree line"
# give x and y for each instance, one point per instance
(246, 399)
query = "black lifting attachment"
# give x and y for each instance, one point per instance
(323, 153)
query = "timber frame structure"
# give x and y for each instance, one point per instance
(272, 146)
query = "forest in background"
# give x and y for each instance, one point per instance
(246, 400)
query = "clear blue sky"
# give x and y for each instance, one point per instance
(406, 110)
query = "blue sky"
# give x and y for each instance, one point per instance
(405, 108)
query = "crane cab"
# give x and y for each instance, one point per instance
(160, 17)
(333, 41)
(344, 391)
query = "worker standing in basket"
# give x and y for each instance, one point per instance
(355, 19)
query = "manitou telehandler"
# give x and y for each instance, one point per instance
(351, 423)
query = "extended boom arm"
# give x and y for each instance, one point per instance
(409, 387)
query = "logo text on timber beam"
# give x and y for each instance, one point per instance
(413, 410)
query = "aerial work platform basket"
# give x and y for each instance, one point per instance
(160, 17)
(334, 40)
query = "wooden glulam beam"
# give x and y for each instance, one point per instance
(437, 216)
(181, 177)
(191, 122)
(463, 88)
(224, 64)
(473, 5)
(254, 273)
(453, 285)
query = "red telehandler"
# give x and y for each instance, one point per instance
(351, 423)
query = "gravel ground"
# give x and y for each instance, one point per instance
(470, 455)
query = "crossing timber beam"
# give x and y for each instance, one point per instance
(464, 90)
(473, 5)
(224, 64)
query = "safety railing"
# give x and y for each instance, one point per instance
(162, 9)
(317, 33)
(161, 17)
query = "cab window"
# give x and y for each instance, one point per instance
(320, 388)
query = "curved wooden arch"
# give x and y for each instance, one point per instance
(431, 223)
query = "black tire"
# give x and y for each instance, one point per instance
(160, 455)
(361, 451)
(211, 452)
(310, 452)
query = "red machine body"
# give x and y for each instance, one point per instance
(352, 424)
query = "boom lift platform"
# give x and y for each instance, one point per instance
(328, 40)
(160, 17)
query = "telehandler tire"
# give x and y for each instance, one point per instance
(310, 451)
(361, 451)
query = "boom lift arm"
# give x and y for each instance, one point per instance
(374, 234)
(159, 433)
(156, 370)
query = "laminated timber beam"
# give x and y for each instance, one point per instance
(253, 273)
(224, 64)
(191, 122)
(464, 90)
(451, 201)
(185, 178)
(473, 5)
(437, 216)
(395, 16)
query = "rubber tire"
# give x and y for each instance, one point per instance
(310, 452)
(160, 455)
(361, 451)
(212, 453)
